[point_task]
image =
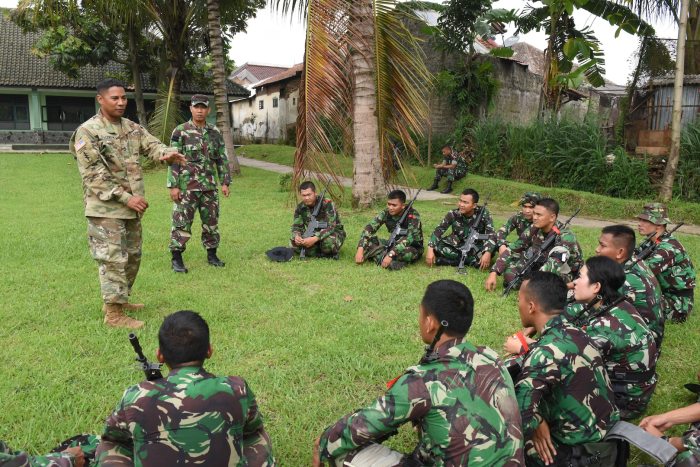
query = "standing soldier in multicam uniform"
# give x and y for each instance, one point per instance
(518, 222)
(189, 417)
(453, 166)
(563, 390)
(641, 288)
(108, 149)
(564, 258)
(670, 263)
(193, 185)
(618, 332)
(326, 242)
(445, 250)
(408, 248)
(459, 398)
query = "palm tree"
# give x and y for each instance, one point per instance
(364, 79)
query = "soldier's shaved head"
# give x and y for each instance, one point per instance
(183, 337)
(398, 194)
(451, 302)
(307, 185)
(546, 289)
(549, 204)
(623, 237)
(105, 84)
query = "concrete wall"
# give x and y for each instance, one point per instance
(269, 124)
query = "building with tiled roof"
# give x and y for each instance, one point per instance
(250, 74)
(41, 105)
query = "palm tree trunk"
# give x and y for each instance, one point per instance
(672, 165)
(223, 111)
(367, 181)
(692, 52)
(136, 76)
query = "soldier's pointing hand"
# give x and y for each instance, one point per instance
(173, 158)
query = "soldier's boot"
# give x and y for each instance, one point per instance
(434, 185)
(178, 263)
(396, 265)
(213, 259)
(448, 188)
(133, 306)
(115, 317)
(442, 261)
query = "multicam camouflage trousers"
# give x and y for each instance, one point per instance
(447, 247)
(326, 248)
(675, 307)
(451, 174)
(207, 203)
(374, 250)
(116, 246)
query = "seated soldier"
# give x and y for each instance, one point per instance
(563, 390)
(325, 241)
(190, 416)
(445, 250)
(408, 247)
(459, 398)
(641, 288)
(618, 332)
(518, 222)
(564, 257)
(453, 166)
(70, 457)
(670, 263)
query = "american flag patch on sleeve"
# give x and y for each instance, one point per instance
(79, 145)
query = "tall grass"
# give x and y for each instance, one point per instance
(688, 176)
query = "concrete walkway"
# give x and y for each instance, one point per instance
(451, 199)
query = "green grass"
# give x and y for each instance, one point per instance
(309, 354)
(503, 193)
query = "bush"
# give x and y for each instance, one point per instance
(688, 176)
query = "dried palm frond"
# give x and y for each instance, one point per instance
(166, 115)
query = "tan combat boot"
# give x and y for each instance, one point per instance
(133, 306)
(115, 317)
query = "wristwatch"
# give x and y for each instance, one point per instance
(391, 254)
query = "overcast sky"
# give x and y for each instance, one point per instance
(276, 40)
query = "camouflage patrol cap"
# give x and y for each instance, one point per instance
(200, 99)
(656, 213)
(530, 197)
(280, 254)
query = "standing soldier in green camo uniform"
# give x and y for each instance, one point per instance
(190, 417)
(193, 185)
(453, 166)
(670, 263)
(445, 250)
(518, 222)
(618, 332)
(459, 398)
(564, 258)
(326, 242)
(641, 288)
(408, 248)
(108, 150)
(562, 388)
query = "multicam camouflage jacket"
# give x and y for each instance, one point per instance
(206, 157)
(461, 228)
(10, 458)
(628, 349)
(190, 417)
(327, 214)
(563, 381)
(414, 235)
(109, 161)
(462, 404)
(672, 266)
(516, 222)
(565, 256)
(644, 292)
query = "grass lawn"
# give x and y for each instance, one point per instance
(314, 339)
(502, 192)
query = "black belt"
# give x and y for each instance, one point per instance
(627, 377)
(687, 293)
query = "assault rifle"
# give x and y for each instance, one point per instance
(649, 245)
(538, 255)
(314, 224)
(151, 370)
(471, 240)
(399, 231)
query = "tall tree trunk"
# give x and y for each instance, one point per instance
(672, 165)
(692, 51)
(136, 76)
(223, 111)
(367, 182)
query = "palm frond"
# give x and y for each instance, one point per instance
(300, 7)
(618, 15)
(166, 115)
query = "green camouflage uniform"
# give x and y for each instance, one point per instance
(516, 222)
(629, 352)
(10, 458)
(691, 441)
(448, 246)
(563, 382)
(108, 157)
(452, 174)
(644, 292)
(407, 249)
(564, 258)
(462, 405)
(206, 157)
(330, 238)
(190, 417)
